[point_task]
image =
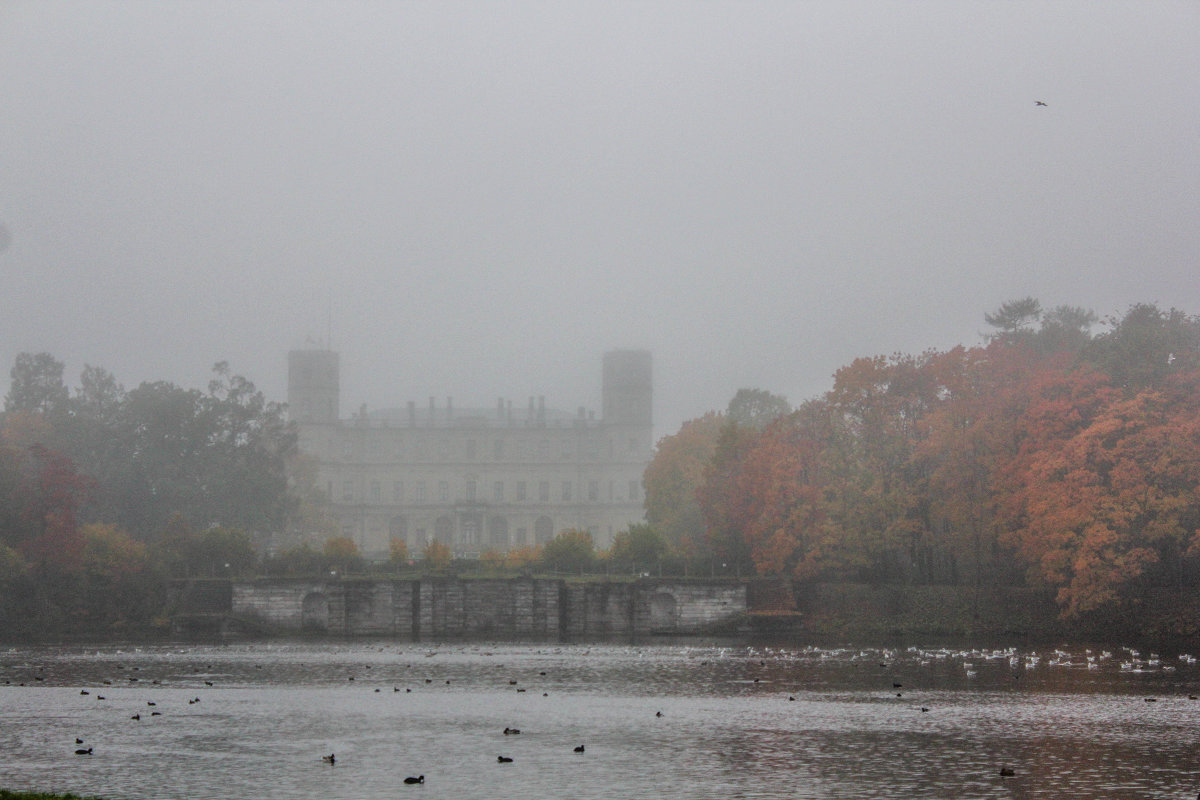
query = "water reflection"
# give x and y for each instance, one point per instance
(736, 721)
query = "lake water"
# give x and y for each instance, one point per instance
(254, 720)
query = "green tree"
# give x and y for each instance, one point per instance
(37, 385)
(217, 459)
(215, 552)
(570, 551)
(1014, 318)
(756, 408)
(251, 443)
(1065, 329)
(301, 559)
(1146, 345)
(640, 546)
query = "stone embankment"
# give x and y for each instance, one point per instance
(439, 608)
(547, 609)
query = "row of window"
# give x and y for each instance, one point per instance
(447, 449)
(521, 492)
(468, 533)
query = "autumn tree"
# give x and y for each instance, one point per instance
(672, 478)
(1104, 499)
(492, 560)
(122, 586)
(341, 554)
(437, 556)
(523, 558)
(785, 522)
(397, 552)
(49, 499)
(877, 405)
(722, 501)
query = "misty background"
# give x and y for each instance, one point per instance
(478, 199)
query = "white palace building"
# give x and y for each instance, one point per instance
(476, 479)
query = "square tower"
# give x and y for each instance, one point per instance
(313, 377)
(627, 388)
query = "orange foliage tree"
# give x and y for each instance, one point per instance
(785, 523)
(1112, 495)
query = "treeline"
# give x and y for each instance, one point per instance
(1051, 455)
(105, 493)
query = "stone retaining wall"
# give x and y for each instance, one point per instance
(518, 608)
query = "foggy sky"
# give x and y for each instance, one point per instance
(478, 200)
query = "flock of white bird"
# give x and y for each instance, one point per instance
(1123, 659)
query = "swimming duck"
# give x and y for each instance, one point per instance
(418, 779)
(329, 759)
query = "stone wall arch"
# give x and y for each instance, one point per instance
(663, 611)
(314, 612)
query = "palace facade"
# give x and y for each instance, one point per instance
(476, 479)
